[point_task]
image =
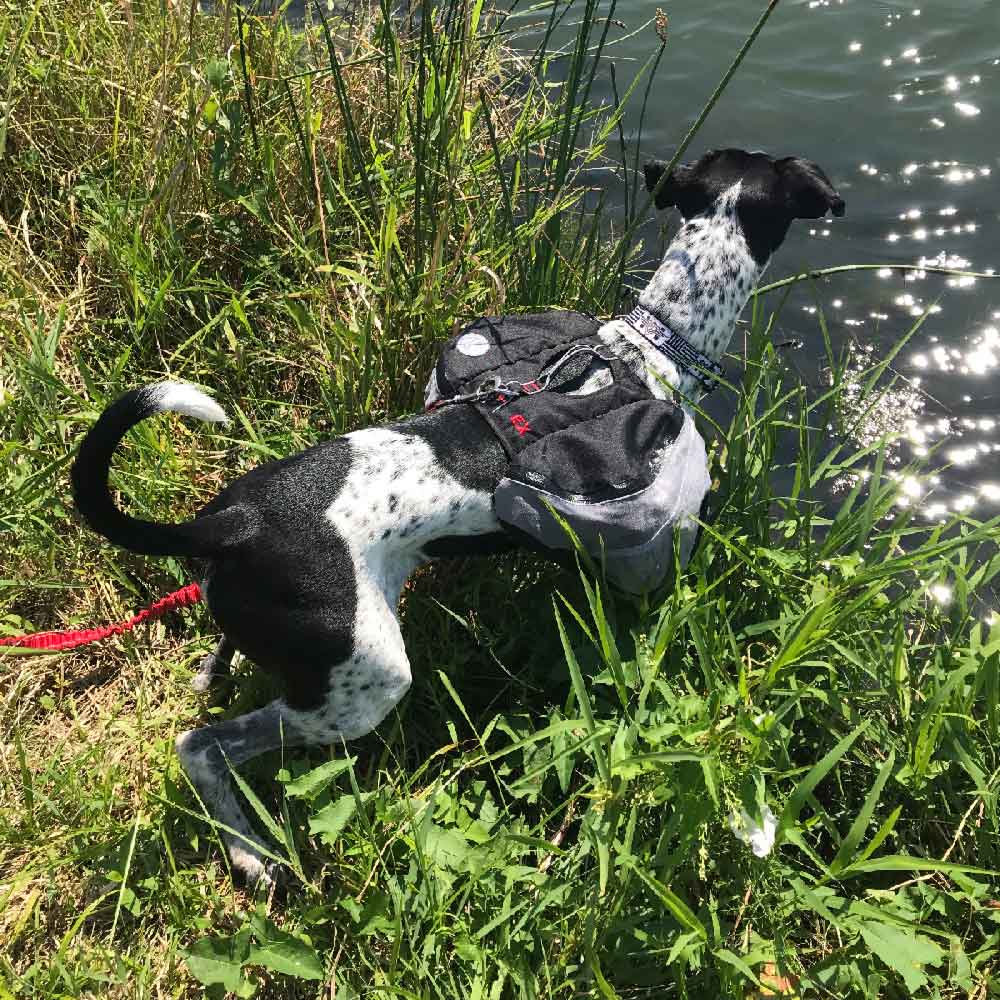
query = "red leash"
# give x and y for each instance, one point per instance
(53, 641)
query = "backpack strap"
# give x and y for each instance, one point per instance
(562, 371)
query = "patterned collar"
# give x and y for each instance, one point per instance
(673, 346)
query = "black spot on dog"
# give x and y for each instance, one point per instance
(463, 445)
(393, 502)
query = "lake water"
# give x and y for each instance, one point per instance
(900, 104)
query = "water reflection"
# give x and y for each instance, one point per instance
(963, 447)
(923, 413)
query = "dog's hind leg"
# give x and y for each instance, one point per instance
(214, 667)
(362, 690)
(206, 756)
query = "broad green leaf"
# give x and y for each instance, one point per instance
(280, 951)
(708, 770)
(330, 821)
(903, 951)
(310, 784)
(444, 847)
(219, 960)
(629, 767)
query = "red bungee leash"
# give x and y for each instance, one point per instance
(55, 641)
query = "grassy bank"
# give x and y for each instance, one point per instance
(295, 219)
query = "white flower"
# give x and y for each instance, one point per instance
(760, 839)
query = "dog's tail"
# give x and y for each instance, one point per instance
(207, 535)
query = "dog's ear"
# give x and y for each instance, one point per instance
(683, 189)
(653, 172)
(809, 194)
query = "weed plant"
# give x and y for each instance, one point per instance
(295, 218)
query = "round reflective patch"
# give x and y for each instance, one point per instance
(472, 345)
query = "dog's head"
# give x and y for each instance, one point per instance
(772, 192)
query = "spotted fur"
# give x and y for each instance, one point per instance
(306, 557)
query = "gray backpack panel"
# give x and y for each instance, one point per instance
(633, 533)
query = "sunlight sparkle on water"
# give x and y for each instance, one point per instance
(944, 359)
(963, 456)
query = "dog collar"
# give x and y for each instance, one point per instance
(673, 346)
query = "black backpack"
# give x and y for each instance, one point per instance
(584, 436)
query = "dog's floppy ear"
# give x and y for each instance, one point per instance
(809, 194)
(654, 171)
(684, 188)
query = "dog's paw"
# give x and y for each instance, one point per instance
(249, 867)
(258, 875)
(275, 881)
(211, 671)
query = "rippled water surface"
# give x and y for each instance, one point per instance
(899, 103)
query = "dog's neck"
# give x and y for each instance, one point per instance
(698, 292)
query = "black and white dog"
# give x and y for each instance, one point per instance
(307, 556)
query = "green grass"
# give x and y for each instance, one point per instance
(295, 219)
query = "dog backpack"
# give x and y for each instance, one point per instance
(584, 436)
